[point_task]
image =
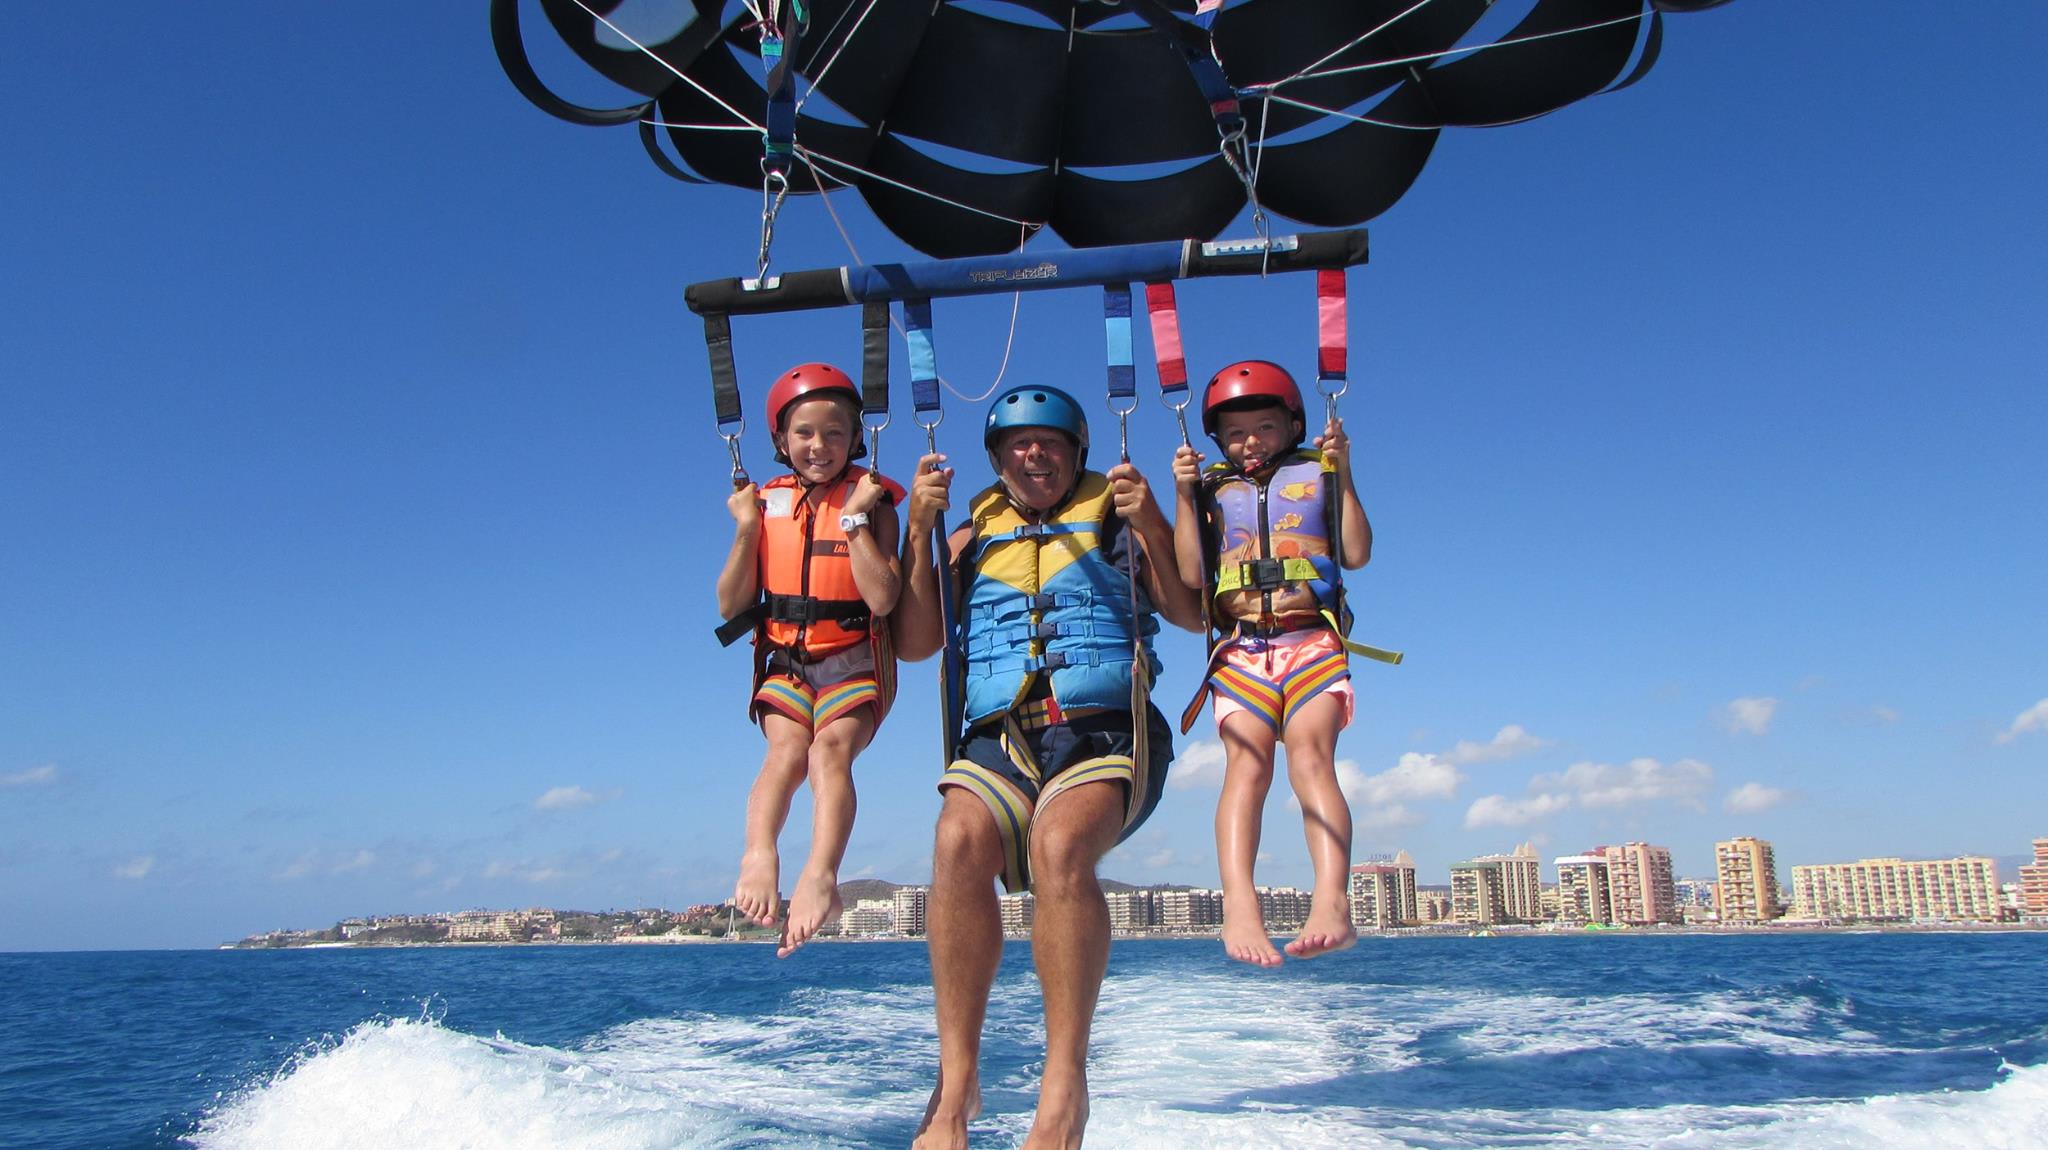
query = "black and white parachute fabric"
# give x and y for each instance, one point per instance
(967, 126)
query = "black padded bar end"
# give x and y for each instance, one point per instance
(1311, 251)
(792, 291)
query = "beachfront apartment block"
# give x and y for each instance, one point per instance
(1639, 887)
(1746, 880)
(909, 909)
(1132, 910)
(2034, 885)
(1582, 889)
(868, 917)
(1961, 889)
(1498, 888)
(1018, 911)
(1383, 893)
(1190, 910)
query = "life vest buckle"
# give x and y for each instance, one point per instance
(1265, 574)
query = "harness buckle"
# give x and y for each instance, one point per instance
(1265, 574)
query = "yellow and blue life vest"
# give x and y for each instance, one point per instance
(1045, 596)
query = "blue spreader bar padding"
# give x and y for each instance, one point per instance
(924, 363)
(1028, 271)
(1116, 325)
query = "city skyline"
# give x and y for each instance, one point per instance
(361, 505)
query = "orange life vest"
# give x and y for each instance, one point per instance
(813, 606)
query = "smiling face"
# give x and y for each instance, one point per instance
(1251, 439)
(1037, 464)
(818, 437)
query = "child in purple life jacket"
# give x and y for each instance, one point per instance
(1262, 535)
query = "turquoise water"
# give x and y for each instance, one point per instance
(1632, 1041)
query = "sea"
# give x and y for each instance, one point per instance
(1611, 1040)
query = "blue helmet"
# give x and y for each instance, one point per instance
(1035, 406)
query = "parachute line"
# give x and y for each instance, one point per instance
(1355, 41)
(818, 79)
(916, 191)
(672, 69)
(1430, 57)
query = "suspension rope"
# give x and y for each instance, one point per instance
(672, 69)
(1428, 57)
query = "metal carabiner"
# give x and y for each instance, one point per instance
(774, 186)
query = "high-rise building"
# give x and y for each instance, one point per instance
(910, 903)
(1017, 910)
(1941, 890)
(868, 916)
(1746, 880)
(1639, 887)
(1383, 893)
(1582, 889)
(1498, 888)
(1132, 910)
(1190, 910)
(2034, 885)
(1283, 907)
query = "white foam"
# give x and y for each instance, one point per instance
(1185, 1060)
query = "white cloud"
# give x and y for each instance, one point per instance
(1640, 781)
(1415, 776)
(33, 777)
(563, 799)
(1749, 798)
(1507, 743)
(1502, 811)
(1161, 859)
(136, 867)
(299, 868)
(1749, 716)
(361, 860)
(2034, 718)
(1890, 715)
(1392, 817)
(525, 872)
(1199, 765)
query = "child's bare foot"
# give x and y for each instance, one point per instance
(1244, 933)
(946, 1117)
(1328, 928)
(756, 895)
(814, 903)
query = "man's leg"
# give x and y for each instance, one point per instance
(1070, 945)
(964, 931)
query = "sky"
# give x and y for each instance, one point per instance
(360, 507)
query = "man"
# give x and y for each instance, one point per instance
(1060, 571)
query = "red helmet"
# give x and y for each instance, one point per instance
(808, 379)
(1250, 379)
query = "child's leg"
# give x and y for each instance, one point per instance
(1326, 820)
(1247, 776)
(758, 894)
(815, 898)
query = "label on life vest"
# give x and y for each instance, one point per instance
(778, 502)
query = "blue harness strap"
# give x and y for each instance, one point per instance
(924, 363)
(1116, 327)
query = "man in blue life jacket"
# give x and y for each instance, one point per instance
(1060, 572)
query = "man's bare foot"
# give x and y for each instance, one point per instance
(946, 1118)
(1328, 928)
(756, 895)
(813, 903)
(1244, 933)
(1061, 1119)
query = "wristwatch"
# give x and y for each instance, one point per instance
(848, 522)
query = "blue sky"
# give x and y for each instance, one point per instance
(359, 506)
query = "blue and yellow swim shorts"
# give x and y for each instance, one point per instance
(1020, 762)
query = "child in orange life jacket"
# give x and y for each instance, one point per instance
(1255, 534)
(813, 574)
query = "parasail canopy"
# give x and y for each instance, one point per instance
(968, 126)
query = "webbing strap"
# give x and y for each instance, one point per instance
(725, 379)
(1116, 328)
(874, 358)
(1164, 313)
(778, 141)
(1331, 343)
(1192, 41)
(1381, 654)
(1238, 576)
(924, 364)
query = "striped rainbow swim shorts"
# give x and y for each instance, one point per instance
(1273, 678)
(815, 694)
